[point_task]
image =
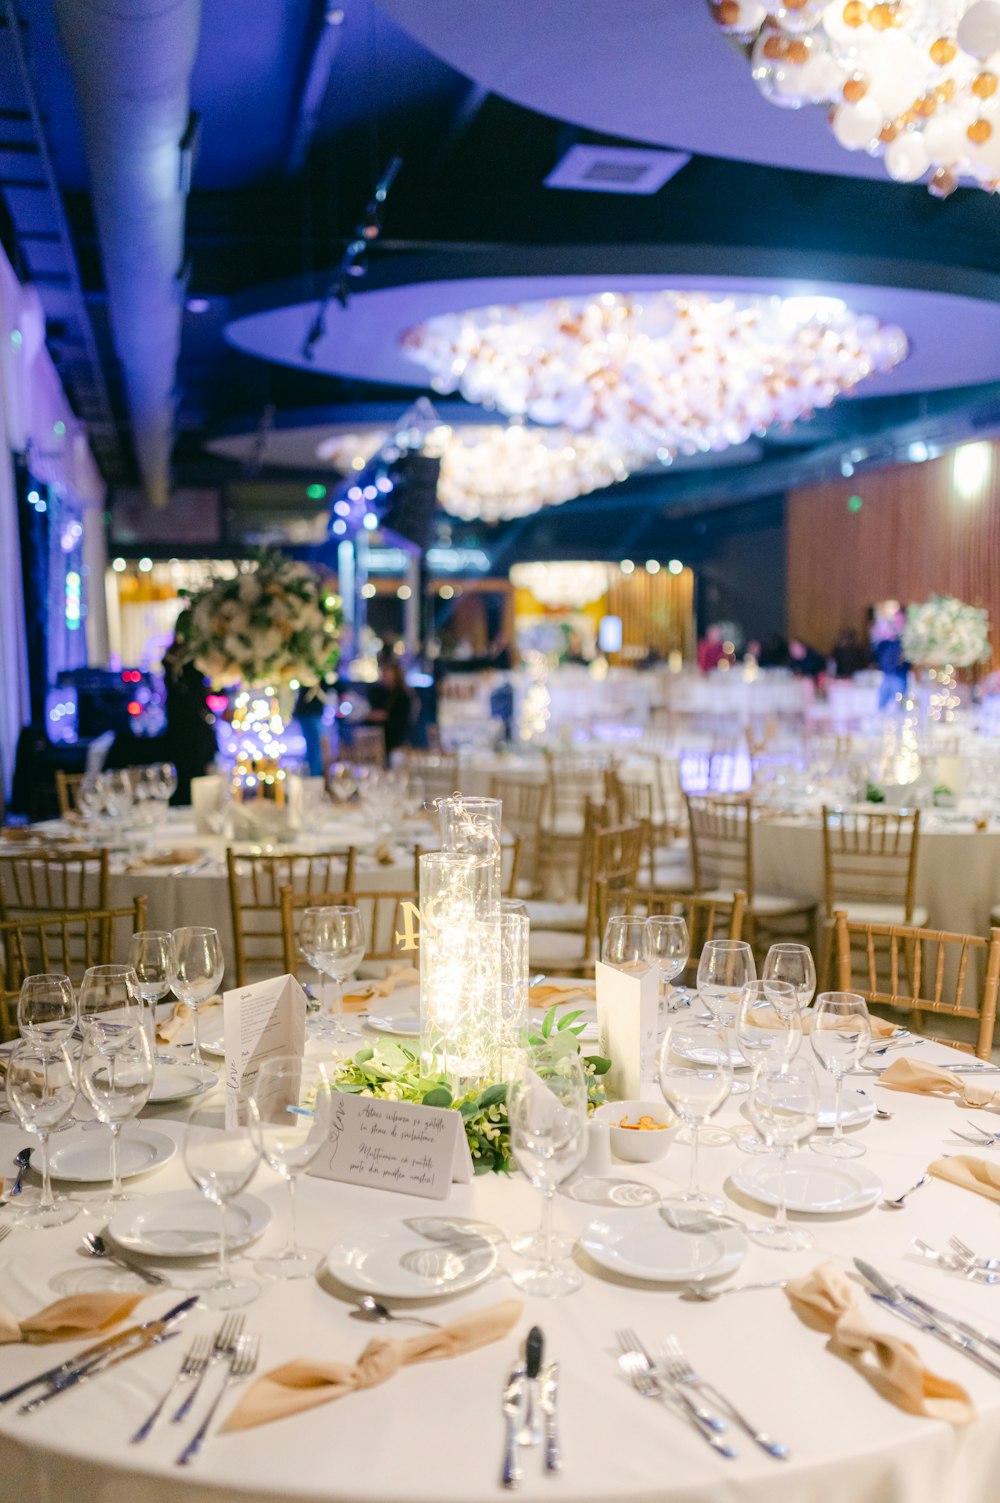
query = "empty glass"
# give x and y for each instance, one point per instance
(198, 969)
(696, 1076)
(41, 1090)
(784, 1105)
(768, 1033)
(338, 939)
(46, 1009)
(118, 792)
(222, 1161)
(795, 964)
(841, 1037)
(291, 1124)
(625, 943)
(342, 781)
(90, 797)
(151, 956)
(109, 1001)
(668, 948)
(547, 1116)
(116, 1077)
(725, 968)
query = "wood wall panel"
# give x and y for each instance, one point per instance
(656, 610)
(916, 533)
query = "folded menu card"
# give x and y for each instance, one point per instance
(259, 1022)
(627, 1003)
(394, 1145)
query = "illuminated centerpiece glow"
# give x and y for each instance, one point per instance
(657, 373)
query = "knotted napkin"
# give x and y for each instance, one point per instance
(766, 1017)
(169, 1028)
(183, 856)
(76, 1315)
(936, 1080)
(398, 973)
(824, 1299)
(304, 1383)
(969, 1174)
(545, 996)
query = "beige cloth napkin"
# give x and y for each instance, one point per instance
(969, 1174)
(398, 973)
(304, 1383)
(545, 996)
(824, 1299)
(76, 1315)
(765, 1017)
(936, 1080)
(182, 856)
(384, 854)
(169, 1028)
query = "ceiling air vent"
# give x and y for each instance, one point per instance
(615, 169)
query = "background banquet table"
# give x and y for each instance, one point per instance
(435, 1435)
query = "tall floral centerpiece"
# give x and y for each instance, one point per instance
(941, 635)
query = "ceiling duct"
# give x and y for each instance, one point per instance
(131, 63)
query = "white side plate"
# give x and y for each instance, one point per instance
(640, 1245)
(395, 1260)
(84, 1158)
(183, 1224)
(812, 1186)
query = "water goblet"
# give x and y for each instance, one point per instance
(696, 1076)
(46, 1009)
(784, 1106)
(109, 1000)
(90, 797)
(725, 967)
(221, 1162)
(667, 947)
(119, 794)
(769, 1033)
(340, 949)
(547, 1116)
(293, 1102)
(198, 968)
(151, 956)
(841, 1037)
(794, 963)
(343, 783)
(310, 929)
(41, 1091)
(625, 944)
(116, 1077)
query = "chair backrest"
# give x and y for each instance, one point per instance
(923, 970)
(65, 943)
(367, 746)
(387, 922)
(522, 801)
(870, 858)
(437, 771)
(66, 785)
(721, 846)
(706, 918)
(614, 858)
(47, 881)
(572, 781)
(255, 884)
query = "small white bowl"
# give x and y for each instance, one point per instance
(634, 1144)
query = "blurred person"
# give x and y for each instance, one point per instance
(189, 739)
(806, 661)
(849, 654)
(711, 649)
(392, 702)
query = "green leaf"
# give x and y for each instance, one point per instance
(364, 1055)
(600, 1065)
(469, 1109)
(548, 1022)
(440, 1096)
(568, 1018)
(493, 1095)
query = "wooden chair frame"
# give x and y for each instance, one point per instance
(382, 914)
(706, 918)
(870, 858)
(49, 881)
(266, 875)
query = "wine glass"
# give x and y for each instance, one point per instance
(769, 1033)
(784, 1106)
(41, 1091)
(116, 1077)
(222, 1161)
(46, 1009)
(841, 1037)
(794, 963)
(310, 928)
(90, 797)
(151, 956)
(109, 1001)
(342, 782)
(198, 968)
(340, 949)
(696, 1076)
(292, 1122)
(547, 1117)
(163, 779)
(119, 794)
(725, 968)
(668, 948)
(625, 942)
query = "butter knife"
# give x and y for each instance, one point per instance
(97, 1365)
(548, 1398)
(513, 1403)
(893, 1298)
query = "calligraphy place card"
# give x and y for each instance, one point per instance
(627, 1005)
(259, 1022)
(394, 1145)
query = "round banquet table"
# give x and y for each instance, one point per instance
(434, 1434)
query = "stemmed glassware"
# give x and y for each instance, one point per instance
(41, 1090)
(116, 1077)
(696, 1076)
(784, 1106)
(310, 929)
(151, 956)
(668, 947)
(90, 797)
(198, 968)
(841, 1037)
(46, 1009)
(769, 1034)
(793, 963)
(725, 968)
(119, 794)
(342, 781)
(625, 945)
(222, 1161)
(291, 1124)
(339, 940)
(109, 1001)
(547, 1116)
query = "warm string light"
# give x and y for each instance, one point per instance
(913, 81)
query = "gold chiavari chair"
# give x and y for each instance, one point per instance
(721, 832)
(47, 881)
(870, 865)
(66, 785)
(367, 746)
(574, 785)
(523, 801)
(907, 968)
(706, 918)
(616, 853)
(255, 884)
(634, 800)
(436, 771)
(388, 919)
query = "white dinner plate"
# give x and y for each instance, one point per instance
(737, 1058)
(178, 1082)
(406, 1026)
(84, 1158)
(212, 1038)
(398, 1262)
(816, 1187)
(641, 1245)
(855, 1108)
(183, 1224)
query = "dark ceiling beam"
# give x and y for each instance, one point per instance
(317, 81)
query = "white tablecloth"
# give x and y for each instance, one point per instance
(434, 1434)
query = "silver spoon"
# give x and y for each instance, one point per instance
(369, 1308)
(96, 1246)
(896, 1202)
(699, 1291)
(23, 1161)
(880, 1111)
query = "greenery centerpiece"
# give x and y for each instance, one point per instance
(941, 635)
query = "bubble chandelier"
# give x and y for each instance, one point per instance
(571, 583)
(914, 81)
(658, 373)
(492, 473)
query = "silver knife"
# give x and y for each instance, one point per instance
(893, 1298)
(951, 1320)
(548, 1398)
(95, 1366)
(513, 1404)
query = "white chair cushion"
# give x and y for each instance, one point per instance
(765, 904)
(561, 916)
(551, 950)
(883, 913)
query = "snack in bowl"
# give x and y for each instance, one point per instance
(644, 1124)
(641, 1131)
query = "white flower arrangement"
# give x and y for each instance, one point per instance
(944, 632)
(275, 622)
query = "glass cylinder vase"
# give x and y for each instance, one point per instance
(514, 929)
(460, 1033)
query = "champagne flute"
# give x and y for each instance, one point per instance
(41, 1091)
(109, 1000)
(769, 1034)
(725, 968)
(794, 963)
(151, 956)
(667, 947)
(696, 1076)
(293, 1104)
(116, 1077)
(625, 944)
(340, 949)
(198, 968)
(841, 1037)
(221, 1162)
(46, 1009)
(547, 1116)
(784, 1106)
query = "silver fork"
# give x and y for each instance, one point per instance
(679, 1370)
(955, 1263)
(968, 1256)
(242, 1364)
(193, 1365)
(639, 1370)
(5, 1230)
(223, 1345)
